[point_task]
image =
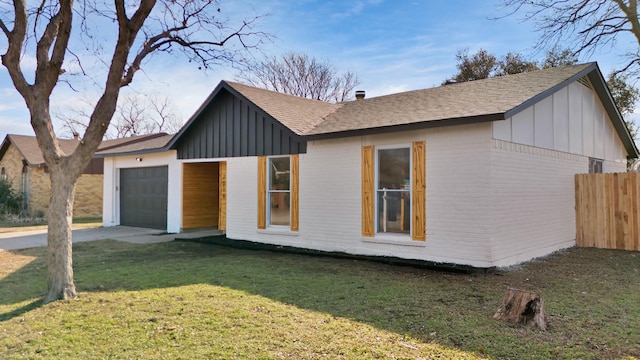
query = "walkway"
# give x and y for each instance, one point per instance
(35, 238)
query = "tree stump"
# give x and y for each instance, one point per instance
(522, 307)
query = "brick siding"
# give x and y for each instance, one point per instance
(88, 196)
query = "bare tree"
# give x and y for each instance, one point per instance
(136, 114)
(589, 24)
(48, 29)
(165, 118)
(300, 75)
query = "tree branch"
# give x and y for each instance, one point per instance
(11, 59)
(587, 24)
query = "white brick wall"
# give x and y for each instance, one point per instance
(242, 197)
(489, 202)
(457, 165)
(532, 201)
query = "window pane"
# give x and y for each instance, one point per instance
(595, 166)
(279, 173)
(279, 209)
(394, 211)
(393, 169)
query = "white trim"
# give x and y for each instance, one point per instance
(394, 239)
(204, 160)
(269, 191)
(376, 150)
(533, 150)
(278, 230)
(111, 186)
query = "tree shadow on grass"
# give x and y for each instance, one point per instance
(452, 309)
(21, 310)
(385, 296)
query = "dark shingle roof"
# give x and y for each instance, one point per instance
(497, 95)
(496, 98)
(493, 96)
(148, 144)
(474, 101)
(299, 114)
(27, 145)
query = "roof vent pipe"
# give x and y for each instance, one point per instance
(360, 94)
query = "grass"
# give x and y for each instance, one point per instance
(183, 300)
(7, 226)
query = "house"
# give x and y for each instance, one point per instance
(22, 165)
(478, 173)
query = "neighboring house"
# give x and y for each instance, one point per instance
(478, 173)
(22, 165)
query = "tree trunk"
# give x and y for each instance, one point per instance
(60, 270)
(522, 307)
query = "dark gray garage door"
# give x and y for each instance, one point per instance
(143, 197)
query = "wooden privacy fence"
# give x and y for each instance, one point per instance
(607, 210)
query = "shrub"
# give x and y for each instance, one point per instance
(10, 200)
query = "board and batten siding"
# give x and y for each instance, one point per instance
(330, 210)
(233, 127)
(111, 185)
(572, 120)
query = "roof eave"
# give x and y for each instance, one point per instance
(600, 86)
(131, 153)
(408, 127)
(552, 90)
(222, 85)
(5, 146)
(599, 83)
(196, 114)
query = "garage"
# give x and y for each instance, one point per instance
(143, 197)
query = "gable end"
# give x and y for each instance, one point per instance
(232, 126)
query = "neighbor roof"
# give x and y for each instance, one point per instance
(149, 143)
(27, 145)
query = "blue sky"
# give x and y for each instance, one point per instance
(391, 45)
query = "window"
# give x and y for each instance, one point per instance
(279, 191)
(595, 166)
(3, 174)
(393, 191)
(25, 185)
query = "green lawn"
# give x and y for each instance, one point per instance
(9, 226)
(183, 300)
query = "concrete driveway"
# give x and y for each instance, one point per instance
(35, 238)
